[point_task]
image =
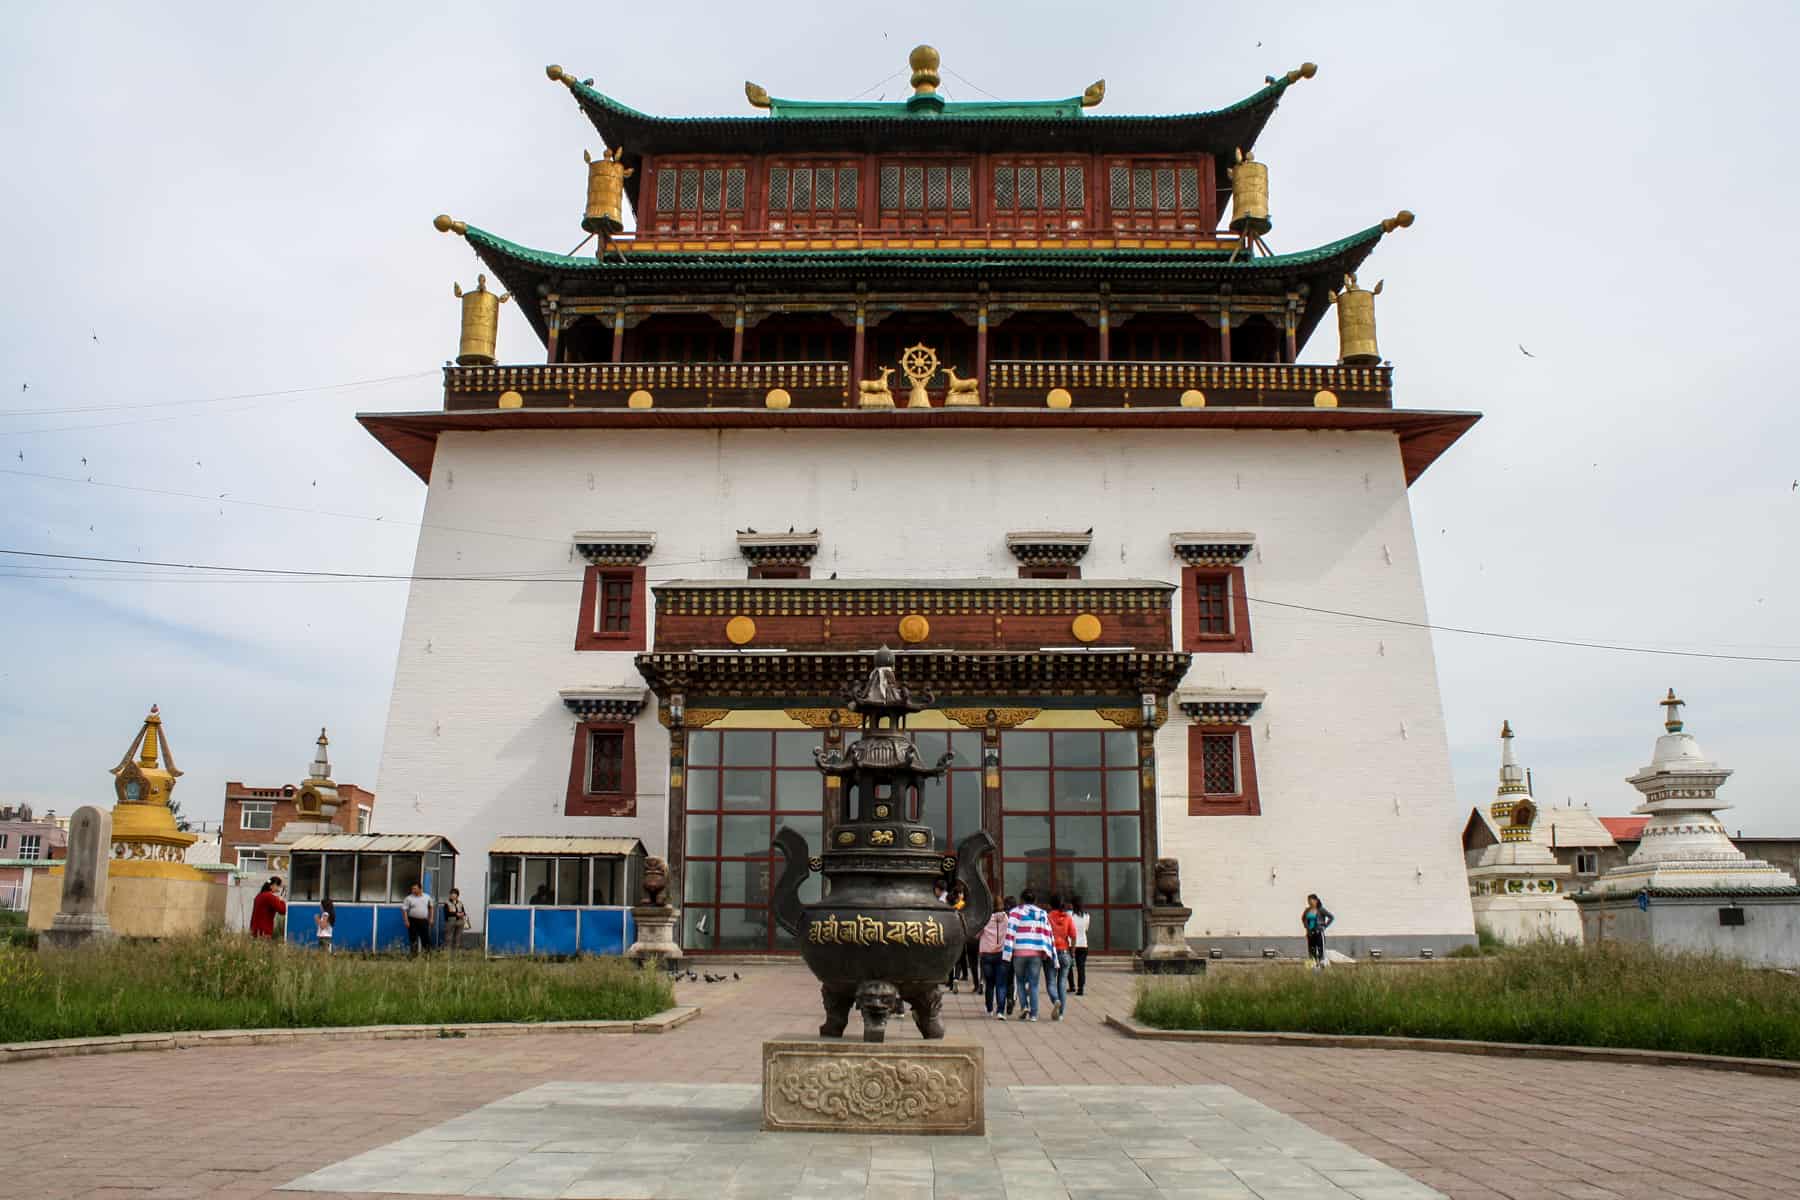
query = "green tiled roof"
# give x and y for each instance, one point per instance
(497, 251)
(523, 269)
(953, 125)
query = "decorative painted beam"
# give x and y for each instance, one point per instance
(604, 703)
(615, 549)
(1220, 706)
(1212, 549)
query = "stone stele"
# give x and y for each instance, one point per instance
(82, 918)
(825, 1085)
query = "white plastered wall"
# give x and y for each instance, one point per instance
(1350, 746)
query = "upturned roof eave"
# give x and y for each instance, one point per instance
(522, 269)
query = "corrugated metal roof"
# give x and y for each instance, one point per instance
(566, 845)
(374, 843)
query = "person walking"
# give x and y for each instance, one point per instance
(1062, 966)
(1082, 919)
(995, 976)
(1027, 947)
(266, 907)
(325, 922)
(957, 897)
(1316, 919)
(456, 919)
(417, 907)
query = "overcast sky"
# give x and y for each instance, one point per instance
(214, 200)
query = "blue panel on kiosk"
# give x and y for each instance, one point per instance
(508, 930)
(302, 924)
(390, 927)
(354, 928)
(603, 930)
(555, 932)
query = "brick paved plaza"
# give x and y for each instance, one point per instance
(244, 1121)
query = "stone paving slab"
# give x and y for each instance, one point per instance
(622, 1141)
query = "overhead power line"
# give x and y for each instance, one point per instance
(282, 575)
(161, 404)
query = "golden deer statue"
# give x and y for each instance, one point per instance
(962, 391)
(875, 392)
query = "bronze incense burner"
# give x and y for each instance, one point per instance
(880, 935)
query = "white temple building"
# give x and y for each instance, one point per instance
(1518, 890)
(1687, 886)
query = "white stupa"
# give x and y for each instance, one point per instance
(1684, 848)
(1518, 891)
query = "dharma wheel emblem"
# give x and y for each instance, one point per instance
(918, 363)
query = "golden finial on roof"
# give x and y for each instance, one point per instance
(1096, 92)
(924, 61)
(1506, 729)
(1303, 71)
(445, 223)
(1674, 723)
(757, 94)
(558, 75)
(1400, 220)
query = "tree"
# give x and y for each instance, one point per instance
(181, 822)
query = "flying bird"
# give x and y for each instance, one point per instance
(1525, 352)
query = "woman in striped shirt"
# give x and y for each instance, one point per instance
(1027, 947)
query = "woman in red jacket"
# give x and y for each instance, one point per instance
(267, 904)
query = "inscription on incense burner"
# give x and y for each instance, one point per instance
(867, 931)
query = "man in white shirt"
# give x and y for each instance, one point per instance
(417, 907)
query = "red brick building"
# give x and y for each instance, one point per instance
(255, 816)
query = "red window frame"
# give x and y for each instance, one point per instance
(1246, 801)
(895, 209)
(783, 196)
(679, 207)
(581, 800)
(588, 634)
(1148, 184)
(1237, 639)
(1016, 206)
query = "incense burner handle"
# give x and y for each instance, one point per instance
(980, 905)
(785, 899)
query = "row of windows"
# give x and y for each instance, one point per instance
(1168, 189)
(31, 845)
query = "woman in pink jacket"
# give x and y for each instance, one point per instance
(996, 975)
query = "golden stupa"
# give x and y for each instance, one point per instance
(145, 840)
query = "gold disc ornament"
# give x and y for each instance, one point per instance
(914, 628)
(740, 631)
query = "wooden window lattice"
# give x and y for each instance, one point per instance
(615, 604)
(606, 763)
(1212, 607)
(1218, 764)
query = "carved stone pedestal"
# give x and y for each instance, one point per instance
(822, 1085)
(1167, 952)
(655, 933)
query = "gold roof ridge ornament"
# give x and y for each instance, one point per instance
(1400, 220)
(445, 223)
(480, 323)
(757, 94)
(1094, 94)
(925, 61)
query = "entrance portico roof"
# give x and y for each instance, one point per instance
(1049, 676)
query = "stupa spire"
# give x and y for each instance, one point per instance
(1673, 723)
(321, 763)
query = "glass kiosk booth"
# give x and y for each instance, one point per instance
(366, 876)
(562, 896)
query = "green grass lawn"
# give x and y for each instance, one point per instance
(225, 981)
(1609, 995)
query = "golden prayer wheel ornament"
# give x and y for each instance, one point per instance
(480, 323)
(1356, 324)
(1249, 196)
(606, 191)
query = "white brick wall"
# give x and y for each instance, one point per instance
(1350, 747)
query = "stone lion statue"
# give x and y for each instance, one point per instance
(1166, 887)
(656, 882)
